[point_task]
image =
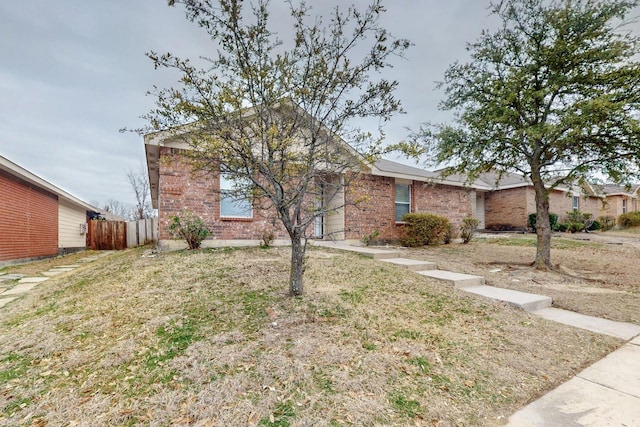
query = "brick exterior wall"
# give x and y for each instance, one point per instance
(180, 189)
(509, 209)
(28, 220)
(614, 205)
(377, 212)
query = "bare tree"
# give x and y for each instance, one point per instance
(118, 208)
(139, 181)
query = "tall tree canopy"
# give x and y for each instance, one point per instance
(553, 94)
(267, 112)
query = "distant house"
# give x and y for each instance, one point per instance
(620, 200)
(38, 219)
(509, 201)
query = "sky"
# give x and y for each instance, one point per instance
(74, 72)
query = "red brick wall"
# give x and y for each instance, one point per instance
(180, 189)
(508, 208)
(512, 207)
(28, 220)
(377, 212)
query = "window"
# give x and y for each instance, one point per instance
(231, 205)
(403, 200)
(624, 206)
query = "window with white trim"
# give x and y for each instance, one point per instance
(232, 205)
(403, 200)
(624, 206)
(576, 203)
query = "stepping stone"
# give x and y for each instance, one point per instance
(5, 301)
(412, 264)
(88, 259)
(21, 288)
(623, 330)
(523, 300)
(33, 279)
(458, 280)
(51, 273)
(56, 271)
(70, 266)
(12, 276)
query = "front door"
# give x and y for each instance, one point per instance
(480, 209)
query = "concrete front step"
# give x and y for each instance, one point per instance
(411, 264)
(523, 300)
(458, 280)
(623, 330)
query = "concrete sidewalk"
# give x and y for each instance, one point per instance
(607, 393)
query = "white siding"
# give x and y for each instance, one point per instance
(334, 221)
(480, 209)
(69, 219)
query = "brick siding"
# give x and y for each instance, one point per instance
(377, 211)
(28, 220)
(180, 189)
(509, 209)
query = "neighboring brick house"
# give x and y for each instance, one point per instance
(620, 200)
(386, 190)
(510, 201)
(37, 219)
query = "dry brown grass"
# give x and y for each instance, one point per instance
(596, 273)
(210, 338)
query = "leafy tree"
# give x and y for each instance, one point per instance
(552, 94)
(266, 112)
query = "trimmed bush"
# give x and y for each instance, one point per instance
(607, 222)
(468, 229)
(595, 225)
(553, 221)
(561, 227)
(190, 227)
(630, 219)
(423, 229)
(573, 227)
(449, 235)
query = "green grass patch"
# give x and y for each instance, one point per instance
(281, 417)
(17, 403)
(355, 296)
(408, 334)
(406, 406)
(423, 364)
(174, 340)
(13, 366)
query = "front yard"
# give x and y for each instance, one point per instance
(210, 338)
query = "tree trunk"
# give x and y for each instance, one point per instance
(297, 265)
(543, 226)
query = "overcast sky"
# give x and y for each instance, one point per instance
(73, 72)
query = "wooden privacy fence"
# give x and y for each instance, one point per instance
(118, 235)
(107, 235)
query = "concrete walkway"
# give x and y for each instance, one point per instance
(13, 286)
(605, 394)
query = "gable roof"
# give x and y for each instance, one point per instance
(618, 190)
(18, 171)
